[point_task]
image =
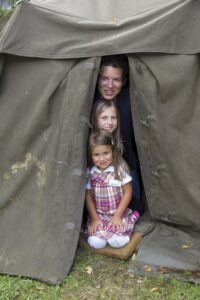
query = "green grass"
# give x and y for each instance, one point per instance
(26, 289)
(99, 277)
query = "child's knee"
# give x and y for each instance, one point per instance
(96, 242)
(117, 241)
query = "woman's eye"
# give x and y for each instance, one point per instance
(117, 80)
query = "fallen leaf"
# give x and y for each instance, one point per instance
(88, 270)
(131, 274)
(163, 270)
(154, 289)
(147, 268)
(39, 288)
(139, 281)
(186, 246)
(133, 257)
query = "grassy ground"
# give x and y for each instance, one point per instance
(98, 277)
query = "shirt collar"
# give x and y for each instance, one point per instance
(109, 169)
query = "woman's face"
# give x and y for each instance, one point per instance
(107, 120)
(110, 82)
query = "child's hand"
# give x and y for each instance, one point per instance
(92, 228)
(116, 223)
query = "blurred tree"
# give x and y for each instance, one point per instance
(7, 4)
(6, 10)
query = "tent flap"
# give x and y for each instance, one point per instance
(43, 164)
(170, 252)
(166, 109)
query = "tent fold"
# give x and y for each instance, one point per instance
(79, 29)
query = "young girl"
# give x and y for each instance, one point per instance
(108, 194)
(105, 115)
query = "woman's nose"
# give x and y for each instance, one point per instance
(110, 83)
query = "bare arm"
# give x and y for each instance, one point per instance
(95, 220)
(125, 200)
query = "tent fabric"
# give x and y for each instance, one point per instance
(166, 109)
(43, 162)
(165, 103)
(49, 60)
(157, 254)
(68, 28)
(165, 239)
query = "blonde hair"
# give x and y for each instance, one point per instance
(99, 107)
(105, 138)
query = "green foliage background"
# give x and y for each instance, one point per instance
(5, 13)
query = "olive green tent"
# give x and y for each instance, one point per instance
(50, 52)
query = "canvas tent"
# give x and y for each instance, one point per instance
(49, 58)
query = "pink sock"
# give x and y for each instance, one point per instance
(136, 215)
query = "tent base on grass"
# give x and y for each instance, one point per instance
(170, 252)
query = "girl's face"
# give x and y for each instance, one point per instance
(102, 156)
(107, 120)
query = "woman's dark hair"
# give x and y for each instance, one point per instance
(116, 61)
